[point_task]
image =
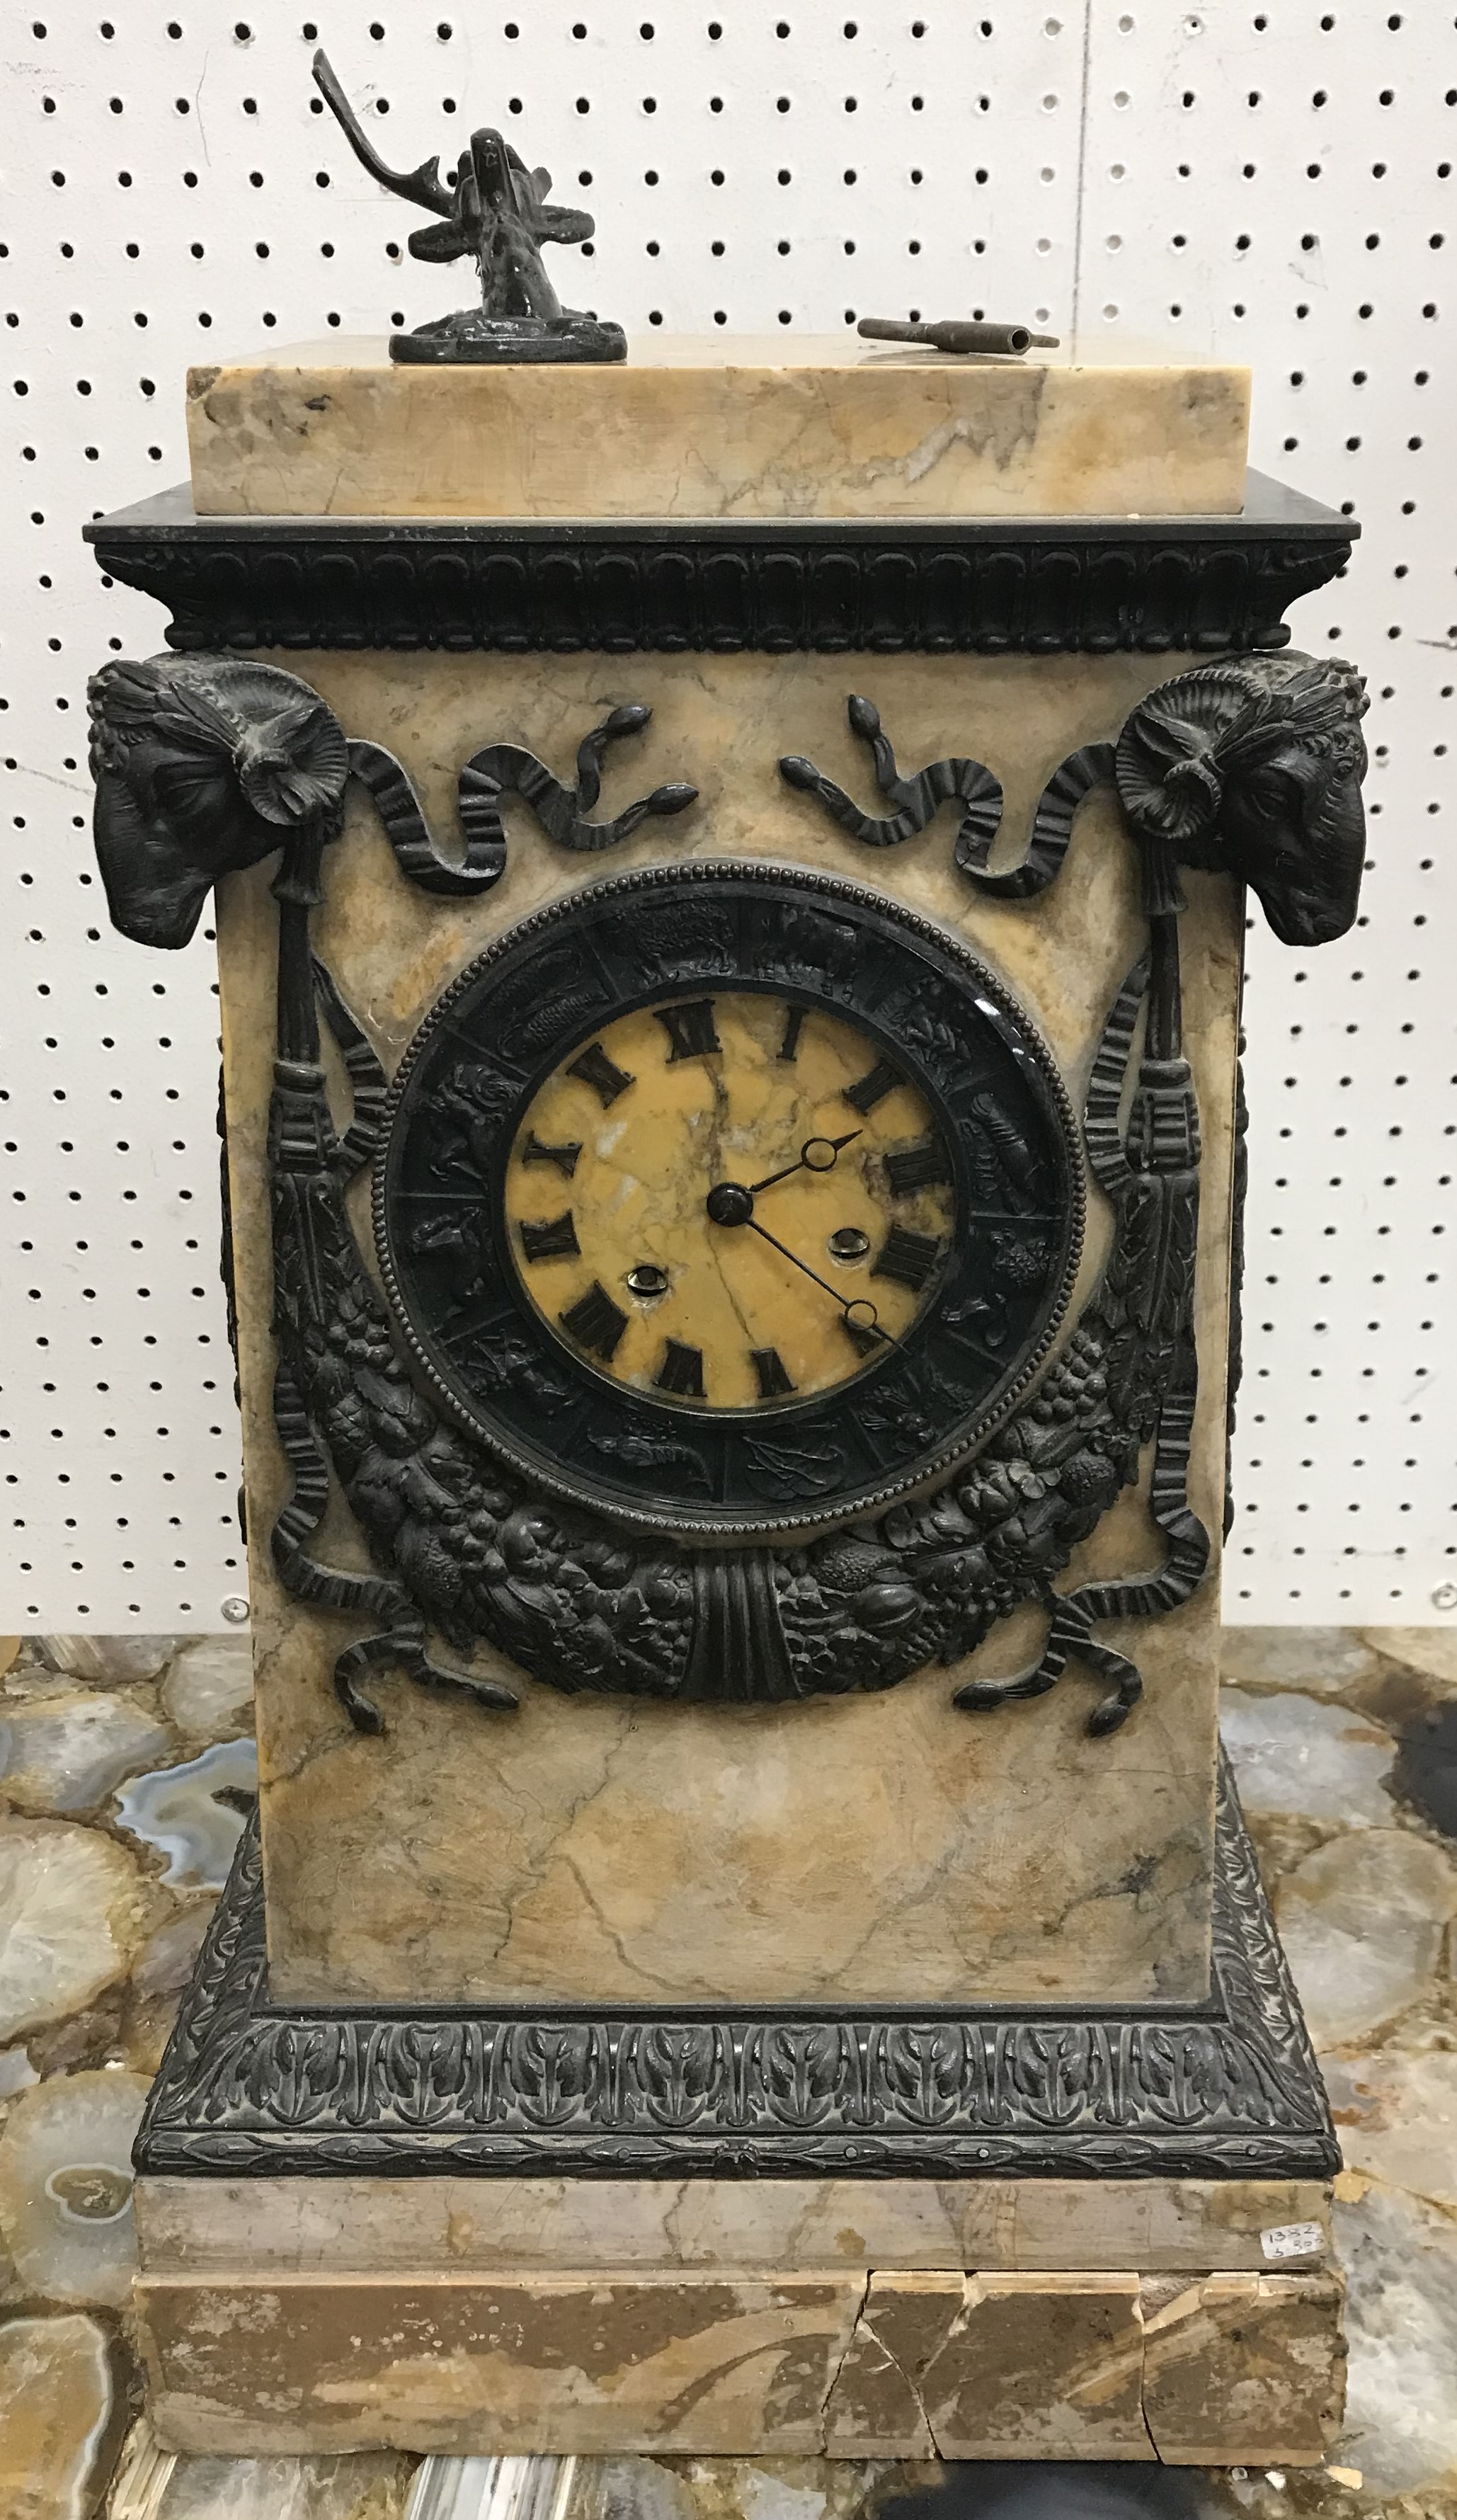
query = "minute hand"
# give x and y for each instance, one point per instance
(783, 1249)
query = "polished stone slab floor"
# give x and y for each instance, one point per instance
(125, 1766)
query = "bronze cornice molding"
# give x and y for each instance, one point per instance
(982, 586)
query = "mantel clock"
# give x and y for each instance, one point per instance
(730, 945)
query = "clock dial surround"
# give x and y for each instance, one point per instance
(729, 1199)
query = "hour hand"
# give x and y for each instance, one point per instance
(816, 1156)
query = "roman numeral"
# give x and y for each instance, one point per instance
(768, 1366)
(563, 1157)
(873, 1089)
(863, 1342)
(600, 1072)
(908, 1258)
(594, 1322)
(682, 1371)
(916, 1166)
(689, 1028)
(789, 1047)
(549, 1240)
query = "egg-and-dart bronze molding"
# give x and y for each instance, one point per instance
(986, 586)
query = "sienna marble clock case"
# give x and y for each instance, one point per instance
(598, 1913)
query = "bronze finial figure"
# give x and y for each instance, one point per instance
(494, 208)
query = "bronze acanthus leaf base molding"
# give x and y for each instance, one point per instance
(1229, 2089)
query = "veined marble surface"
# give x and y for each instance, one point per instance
(716, 426)
(617, 1849)
(70, 2442)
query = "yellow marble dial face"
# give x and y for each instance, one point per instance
(651, 1238)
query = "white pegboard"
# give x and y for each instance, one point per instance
(1263, 183)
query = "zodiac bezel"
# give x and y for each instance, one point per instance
(759, 895)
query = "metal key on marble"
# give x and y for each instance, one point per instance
(964, 340)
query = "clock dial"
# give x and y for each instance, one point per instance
(728, 1198)
(842, 1206)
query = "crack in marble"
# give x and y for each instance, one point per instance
(671, 2224)
(720, 1119)
(846, 2351)
(565, 1819)
(983, 437)
(611, 1935)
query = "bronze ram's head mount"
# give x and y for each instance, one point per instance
(202, 767)
(1255, 768)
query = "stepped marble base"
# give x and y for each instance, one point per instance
(986, 2233)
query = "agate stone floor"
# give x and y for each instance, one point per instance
(125, 1769)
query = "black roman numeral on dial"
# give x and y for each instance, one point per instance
(600, 1072)
(789, 1047)
(873, 1089)
(908, 1258)
(769, 1366)
(536, 1152)
(682, 1371)
(915, 1167)
(689, 1028)
(594, 1322)
(551, 1241)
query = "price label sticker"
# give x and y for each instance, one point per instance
(1293, 2240)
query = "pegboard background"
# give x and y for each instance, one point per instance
(1266, 184)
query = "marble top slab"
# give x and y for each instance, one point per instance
(722, 427)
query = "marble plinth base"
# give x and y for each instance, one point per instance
(897, 2364)
(976, 2234)
(714, 427)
